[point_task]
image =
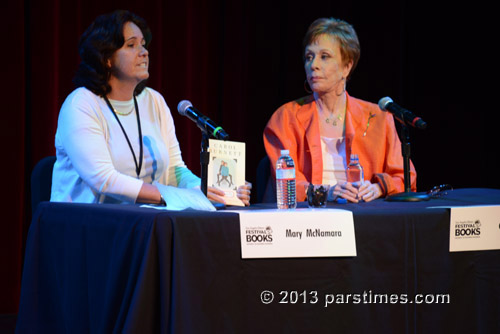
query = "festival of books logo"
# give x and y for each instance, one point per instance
(468, 229)
(259, 235)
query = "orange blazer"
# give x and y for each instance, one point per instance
(369, 132)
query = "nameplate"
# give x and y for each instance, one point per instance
(474, 228)
(297, 233)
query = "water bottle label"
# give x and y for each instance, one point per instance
(355, 175)
(285, 174)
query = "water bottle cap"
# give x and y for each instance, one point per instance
(283, 152)
(354, 157)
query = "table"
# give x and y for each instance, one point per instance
(126, 269)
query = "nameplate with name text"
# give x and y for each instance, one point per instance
(297, 233)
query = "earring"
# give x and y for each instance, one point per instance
(306, 85)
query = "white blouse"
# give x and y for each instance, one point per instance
(94, 162)
(334, 160)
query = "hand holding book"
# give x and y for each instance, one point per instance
(226, 173)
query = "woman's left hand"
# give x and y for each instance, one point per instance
(244, 192)
(369, 191)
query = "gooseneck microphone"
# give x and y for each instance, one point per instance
(205, 124)
(401, 114)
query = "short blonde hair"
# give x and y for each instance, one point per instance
(343, 33)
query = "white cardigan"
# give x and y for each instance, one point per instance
(94, 162)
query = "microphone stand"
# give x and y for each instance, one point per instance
(204, 160)
(407, 195)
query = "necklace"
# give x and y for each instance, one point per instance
(138, 166)
(123, 113)
(121, 107)
(334, 119)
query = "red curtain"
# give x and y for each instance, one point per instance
(237, 61)
(12, 134)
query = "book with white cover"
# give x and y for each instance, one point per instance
(226, 168)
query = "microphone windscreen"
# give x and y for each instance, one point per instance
(383, 102)
(183, 106)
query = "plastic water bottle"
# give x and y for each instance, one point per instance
(285, 181)
(355, 170)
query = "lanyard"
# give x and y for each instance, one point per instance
(138, 166)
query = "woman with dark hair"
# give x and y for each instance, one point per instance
(322, 130)
(115, 140)
(97, 46)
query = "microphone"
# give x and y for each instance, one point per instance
(401, 114)
(205, 124)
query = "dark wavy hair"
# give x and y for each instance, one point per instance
(98, 44)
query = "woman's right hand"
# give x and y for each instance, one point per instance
(215, 195)
(347, 190)
(243, 194)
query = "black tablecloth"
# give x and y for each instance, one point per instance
(127, 269)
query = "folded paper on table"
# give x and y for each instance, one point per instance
(182, 198)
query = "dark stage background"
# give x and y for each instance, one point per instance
(237, 62)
